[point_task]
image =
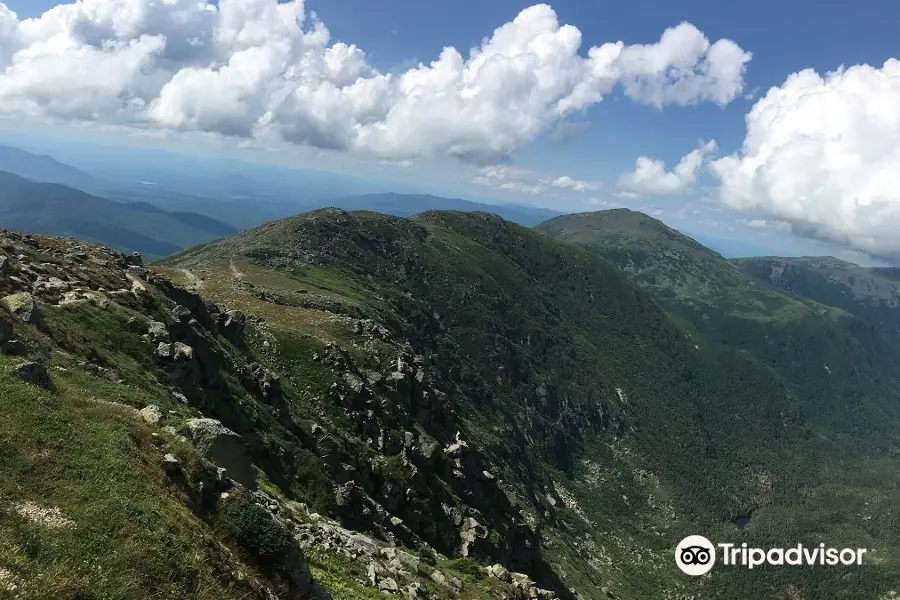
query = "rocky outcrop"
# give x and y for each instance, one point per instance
(448, 497)
(157, 332)
(224, 448)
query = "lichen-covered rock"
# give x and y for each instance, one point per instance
(157, 332)
(151, 414)
(498, 571)
(23, 307)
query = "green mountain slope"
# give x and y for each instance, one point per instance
(871, 294)
(838, 366)
(410, 407)
(55, 209)
(613, 428)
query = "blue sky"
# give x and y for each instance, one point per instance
(783, 37)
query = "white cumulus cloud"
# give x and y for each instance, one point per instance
(262, 69)
(650, 178)
(822, 153)
(576, 185)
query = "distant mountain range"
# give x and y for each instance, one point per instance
(56, 209)
(194, 203)
(44, 168)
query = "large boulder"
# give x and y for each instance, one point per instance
(223, 447)
(157, 332)
(33, 373)
(23, 307)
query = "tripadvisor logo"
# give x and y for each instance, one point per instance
(696, 555)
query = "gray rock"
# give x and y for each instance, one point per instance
(388, 584)
(151, 414)
(23, 307)
(53, 285)
(4, 265)
(469, 535)
(182, 351)
(224, 448)
(176, 351)
(157, 332)
(415, 590)
(181, 314)
(498, 571)
(354, 382)
(99, 300)
(234, 321)
(34, 373)
(164, 350)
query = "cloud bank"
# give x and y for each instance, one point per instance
(264, 70)
(822, 153)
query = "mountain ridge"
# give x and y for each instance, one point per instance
(871, 294)
(56, 209)
(796, 335)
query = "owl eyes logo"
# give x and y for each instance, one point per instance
(695, 555)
